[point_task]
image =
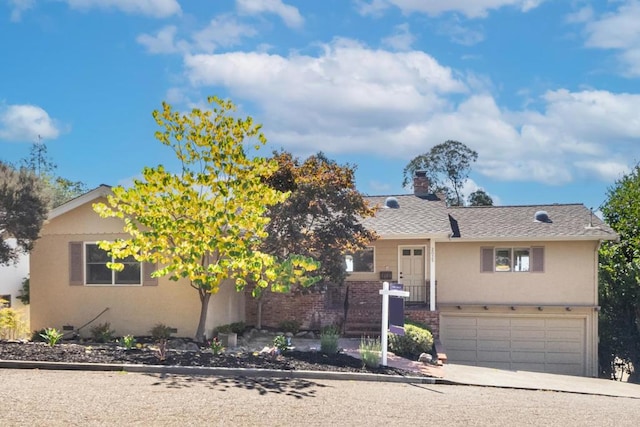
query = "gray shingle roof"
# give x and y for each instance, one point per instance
(415, 217)
(570, 221)
(429, 217)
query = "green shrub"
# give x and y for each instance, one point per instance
(292, 326)
(416, 340)
(370, 349)
(102, 332)
(161, 332)
(329, 339)
(236, 327)
(281, 343)
(128, 342)
(12, 325)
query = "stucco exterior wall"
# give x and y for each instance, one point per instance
(569, 277)
(131, 309)
(386, 259)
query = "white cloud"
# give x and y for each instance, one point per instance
(619, 31)
(353, 99)
(402, 39)
(471, 9)
(18, 7)
(153, 8)
(163, 41)
(26, 123)
(375, 8)
(289, 14)
(222, 31)
(461, 34)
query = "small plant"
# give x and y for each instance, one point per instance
(292, 326)
(51, 336)
(329, 339)
(238, 327)
(161, 331)
(12, 325)
(216, 346)
(370, 349)
(415, 341)
(162, 349)
(281, 343)
(128, 341)
(102, 332)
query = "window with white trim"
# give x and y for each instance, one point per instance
(512, 259)
(360, 261)
(97, 272)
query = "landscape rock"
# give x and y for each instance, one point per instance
(425, 358)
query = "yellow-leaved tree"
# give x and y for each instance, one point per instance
(206, 222)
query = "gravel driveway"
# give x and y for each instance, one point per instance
(51, 398)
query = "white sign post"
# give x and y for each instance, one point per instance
(386, 293)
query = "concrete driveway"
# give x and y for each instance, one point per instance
(475, 375)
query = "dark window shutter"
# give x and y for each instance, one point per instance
(147, 269)
(76, 267)
(537, 259)
(486, 260)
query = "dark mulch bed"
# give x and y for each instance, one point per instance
(110, 353)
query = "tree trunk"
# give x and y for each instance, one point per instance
(204, 307)
(259, 317)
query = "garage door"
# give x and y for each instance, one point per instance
(532, 343)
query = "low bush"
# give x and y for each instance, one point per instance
(102, 332)
(292, 326)
(329, 339)
(370, 349)
(236, 327)
(281, 343)
(416, 340)
(161, 332)
(12, 325)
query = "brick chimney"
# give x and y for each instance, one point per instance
(420, 183)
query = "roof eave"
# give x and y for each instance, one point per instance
(101, 191)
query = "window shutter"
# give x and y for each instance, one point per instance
(537, 259)
(76, 267)
(147, 269)
(486, 260)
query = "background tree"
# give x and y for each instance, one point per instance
(447, 166)
(480, 198)
(207, 222)
(620, 278)
(59, 190)
(23, 208)
(321, 218)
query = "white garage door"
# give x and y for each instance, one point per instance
(532, 343)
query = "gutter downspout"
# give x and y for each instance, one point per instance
(432, 275)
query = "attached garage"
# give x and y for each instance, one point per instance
(553, 343)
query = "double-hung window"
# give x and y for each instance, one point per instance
(88, 267)
(97, 272)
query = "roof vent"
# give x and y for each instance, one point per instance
(542, 216)
(391, 202)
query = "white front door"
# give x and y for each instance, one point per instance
(411, 272)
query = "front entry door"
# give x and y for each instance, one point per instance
(411, 272)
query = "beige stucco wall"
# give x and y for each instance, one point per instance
(131, 309)
(569, 277)
(386, 258)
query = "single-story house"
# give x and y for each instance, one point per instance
(511, 287)
(72, 289)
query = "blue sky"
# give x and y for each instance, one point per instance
(547, 92)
